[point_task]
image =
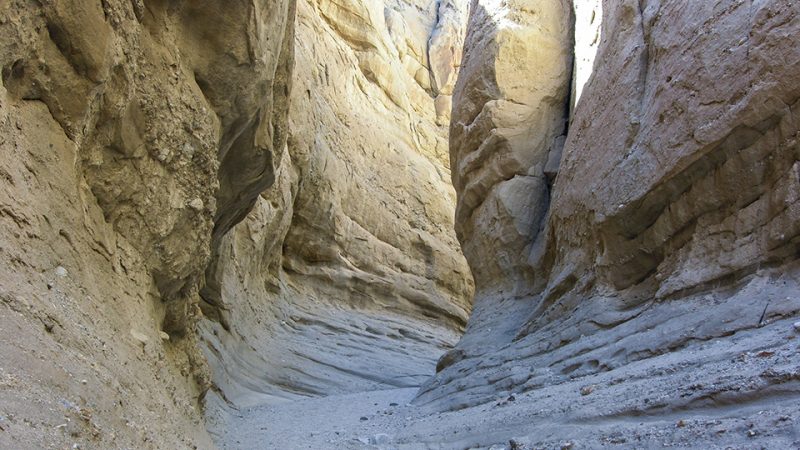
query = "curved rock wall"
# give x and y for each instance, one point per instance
(347, 275)
(133, 132)
(672, 220)
(509, 118)
(696, 186)
(190, 219)
(139, 134)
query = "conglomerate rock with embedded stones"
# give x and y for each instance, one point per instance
(132, 133)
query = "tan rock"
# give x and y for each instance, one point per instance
(677, 196)
(509, 109)
(133, 134)
(348, 271)
(183, 207)
(445, 45)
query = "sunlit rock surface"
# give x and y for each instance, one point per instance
(347, 275)
(507, 130)
(244, 218)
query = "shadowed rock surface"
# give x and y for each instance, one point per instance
(130, 131)
(672, 220)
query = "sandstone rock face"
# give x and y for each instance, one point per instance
(208, 206)
(509, 118)
(133, 132)
(153, 95)
(672, 221)
(158, 126)
(709, 167)
(347, 275)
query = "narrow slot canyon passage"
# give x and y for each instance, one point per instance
(347, 277)
(326, 341)
(399, 224)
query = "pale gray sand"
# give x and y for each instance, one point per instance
(738, 393)
(318, 423)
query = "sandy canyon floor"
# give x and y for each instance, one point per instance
(740, 393)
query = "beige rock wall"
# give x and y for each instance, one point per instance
(133, 132)
(138, 134)
(509, 118)
(347, 275)
(374, 193)
(673, 218)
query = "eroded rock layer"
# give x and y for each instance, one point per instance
(191, 218)
(347, 275)
(132, 132)
(139, 134)
(672, 221)
(508, 126)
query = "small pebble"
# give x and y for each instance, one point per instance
(61, 272)
(363, 419)
(139, 336)
(380, 439)
(796, 326)
(196, 204)
(188, 150)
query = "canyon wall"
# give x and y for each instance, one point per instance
(171, 200)
(134, 135)
(347, 276)
(508, 127)
(207, 206)
(672, 217)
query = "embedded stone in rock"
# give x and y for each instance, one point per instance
(448, 359)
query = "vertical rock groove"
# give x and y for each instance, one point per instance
(509, 118)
